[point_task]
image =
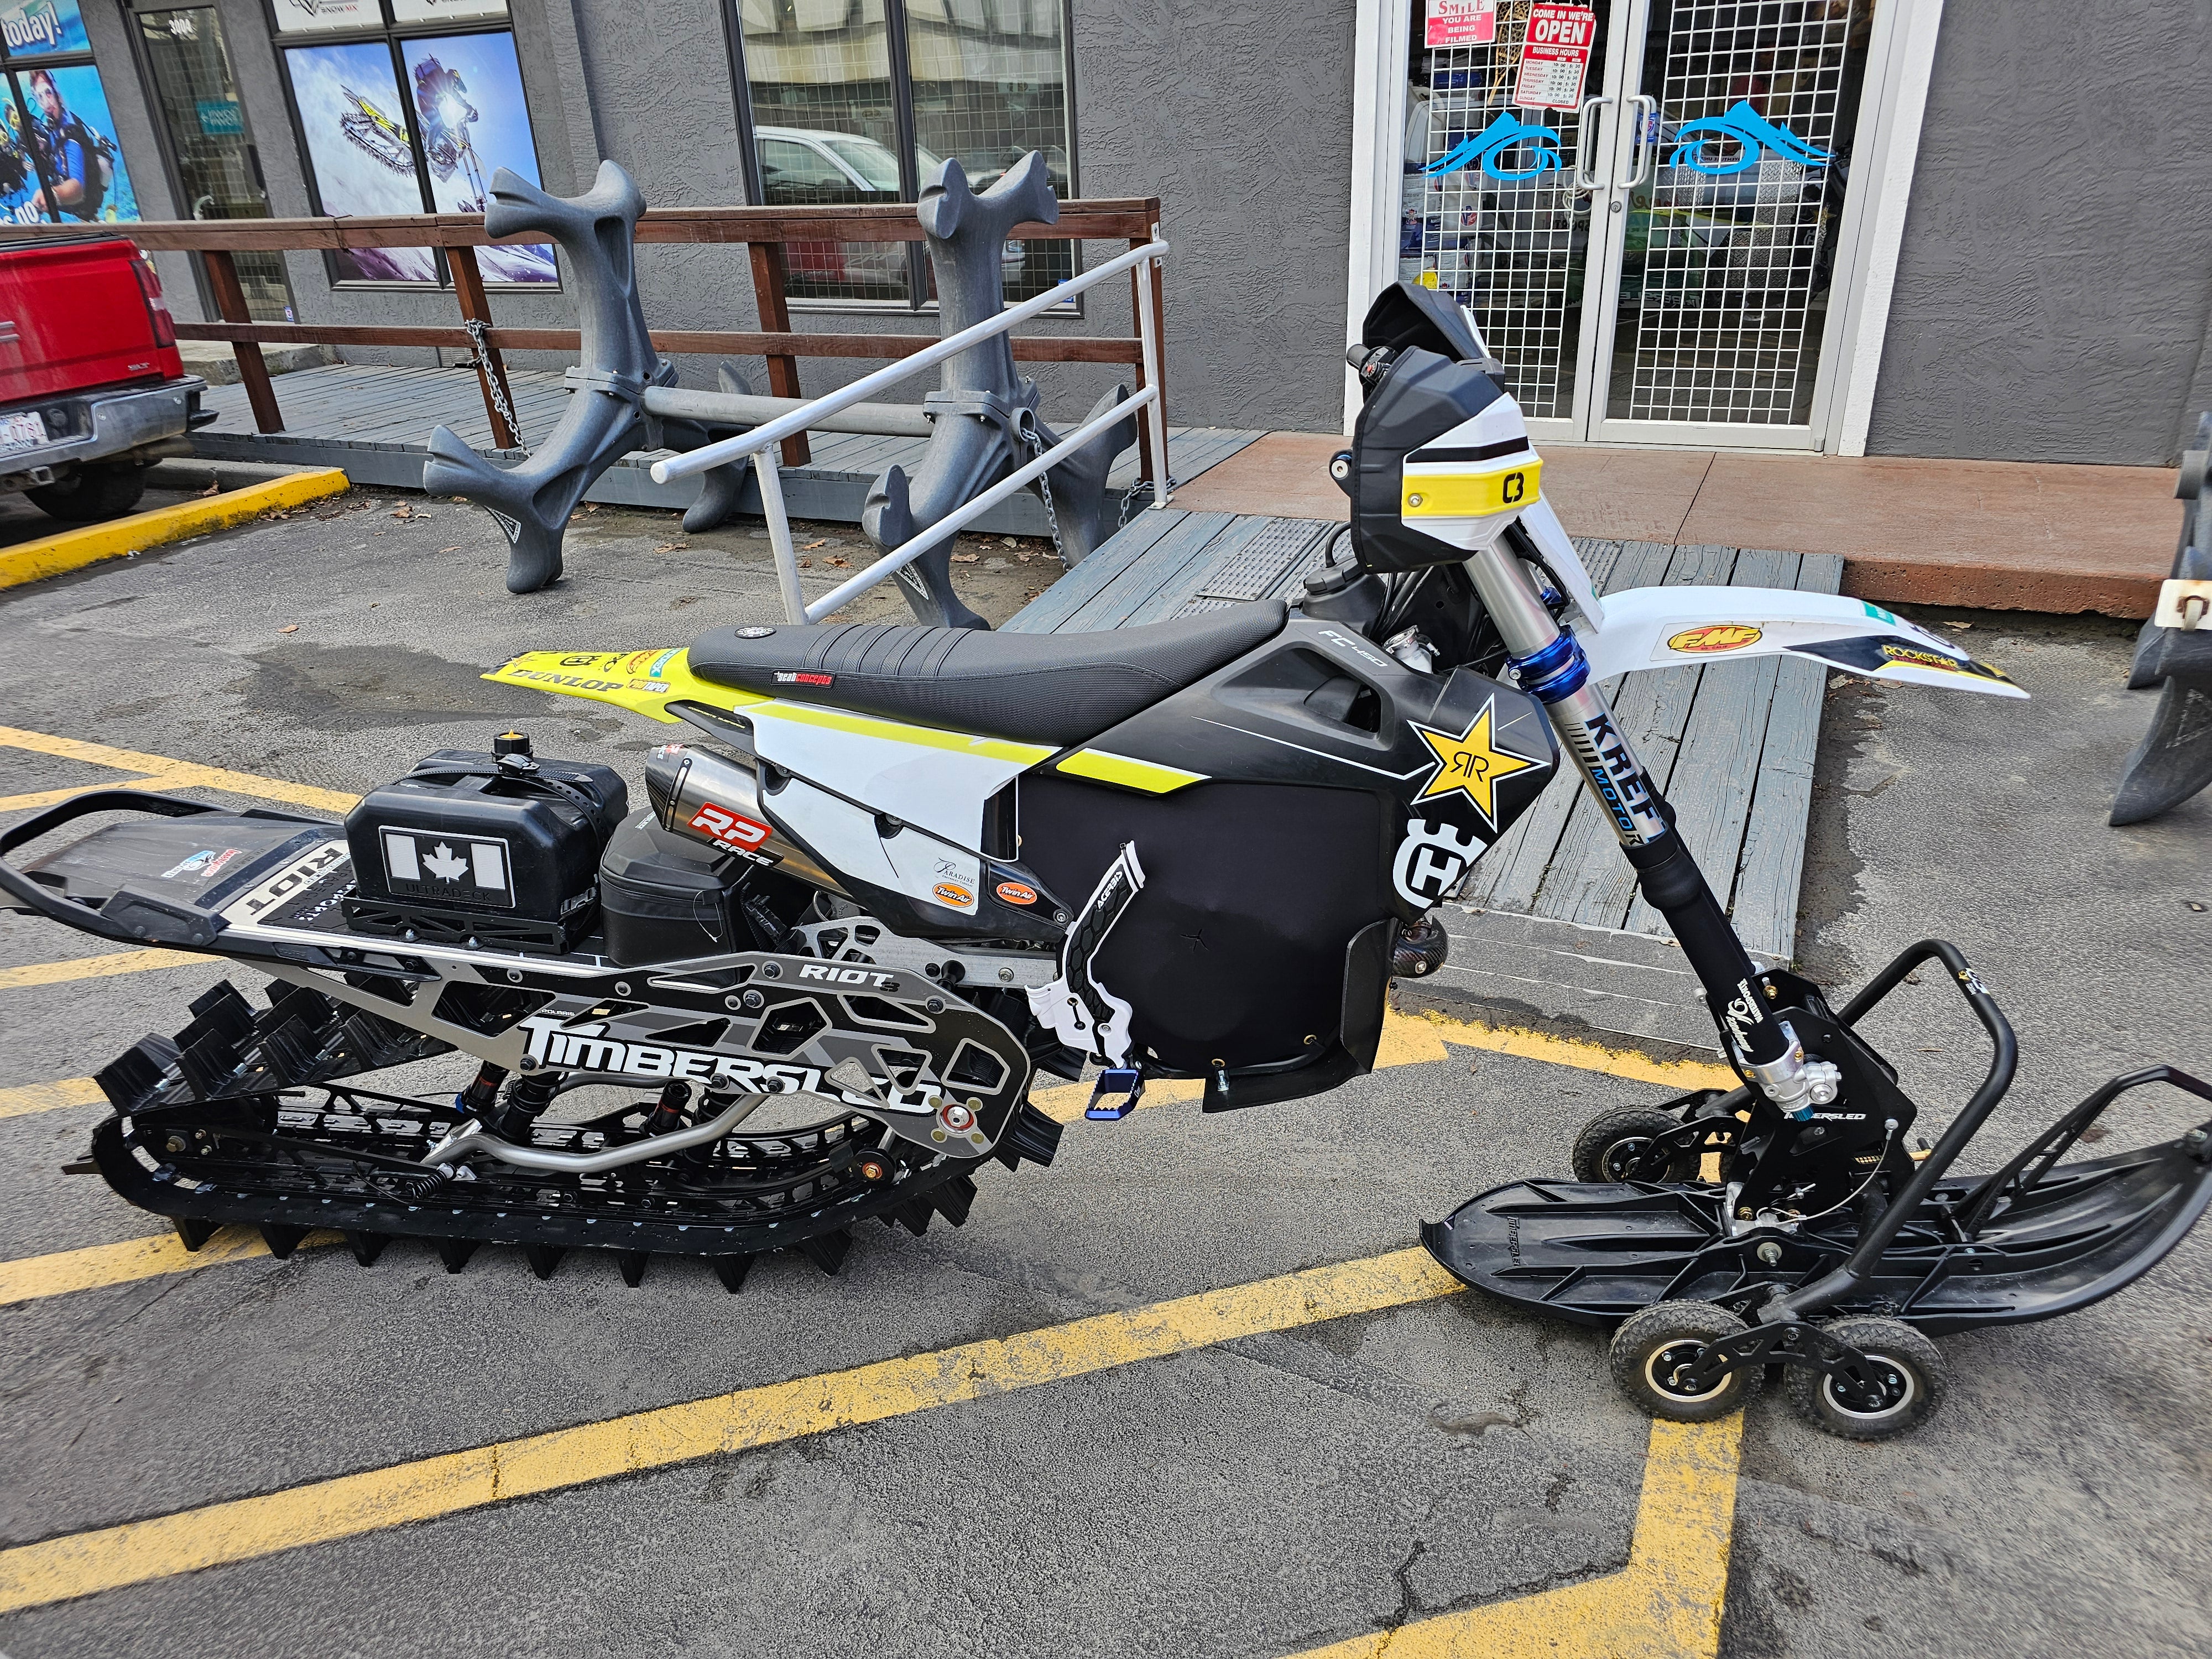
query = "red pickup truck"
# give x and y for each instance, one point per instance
(92, 391)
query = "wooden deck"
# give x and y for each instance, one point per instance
(1551, 924)
(375, 422)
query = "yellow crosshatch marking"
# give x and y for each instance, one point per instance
(1470, 763)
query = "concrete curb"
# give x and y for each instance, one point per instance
(73, 549)
(1989, 586)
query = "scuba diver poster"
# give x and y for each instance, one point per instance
(357, 143)
(470, 109)
(66, 165)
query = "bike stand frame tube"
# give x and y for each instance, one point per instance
(1553, 669)
(1833, 1287)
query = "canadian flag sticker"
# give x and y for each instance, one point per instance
(458, 869)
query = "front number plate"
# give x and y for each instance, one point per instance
(21, 431)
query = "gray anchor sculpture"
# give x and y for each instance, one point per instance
(2174, 760)
(984, 420)
(606, 418)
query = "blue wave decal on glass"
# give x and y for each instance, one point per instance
(1489, 146)
(1749, 128)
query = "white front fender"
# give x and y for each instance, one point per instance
(1666, 626)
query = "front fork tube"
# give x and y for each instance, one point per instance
(1553, 669)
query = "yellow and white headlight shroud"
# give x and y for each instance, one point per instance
(1464, 486)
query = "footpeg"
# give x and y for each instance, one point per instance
(1116, 1094)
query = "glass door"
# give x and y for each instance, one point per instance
(1731, 167)
(1497, 198)
(217, 174)
(1656, 264)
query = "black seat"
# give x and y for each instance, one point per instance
(1038, 687)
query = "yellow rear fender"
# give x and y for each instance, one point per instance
(643, 682)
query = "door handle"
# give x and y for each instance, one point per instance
(1643, 158)
(1584, 180)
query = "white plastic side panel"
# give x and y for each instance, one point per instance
(1663, 627)
(911, 862)
(936, 786)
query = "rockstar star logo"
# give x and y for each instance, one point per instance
(1470, 763)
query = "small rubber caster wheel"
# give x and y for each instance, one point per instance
(1652, 1348)
(1610, 1142)
(1909, 1379)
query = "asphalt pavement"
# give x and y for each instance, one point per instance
(1261, 1497)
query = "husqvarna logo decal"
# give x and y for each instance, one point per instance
(1749, 129)
(1540, 146)
(1431, 859)
(1470, 763)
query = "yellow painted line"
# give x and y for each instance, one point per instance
(1666, 1605)
(138, 1551)
(123, 961)
(28, 1097)
(37, 1277)
(174, 774)
(70, 550)
(55, 796)
(1418, 1039)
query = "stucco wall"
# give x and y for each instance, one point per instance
(2054, 289)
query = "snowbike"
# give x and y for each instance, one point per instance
(897, 872)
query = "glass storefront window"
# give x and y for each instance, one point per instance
(217, 176)
(398, 123)
(861, 100)
(60, 160)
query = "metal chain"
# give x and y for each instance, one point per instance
(1030, 435)
(494, 380)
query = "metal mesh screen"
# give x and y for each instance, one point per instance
(990, 85)
(1512, 250)
(1725, 280)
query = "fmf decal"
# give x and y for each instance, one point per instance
(1431, 859)
(1470, 763)
(730, 828)
(1014, 892)
(953, 893)
(1715, 637)
(805, 679)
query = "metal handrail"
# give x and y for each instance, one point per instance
(758, 446)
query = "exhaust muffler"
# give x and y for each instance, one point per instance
(714, 799)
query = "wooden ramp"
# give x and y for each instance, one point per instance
(375, 422)
(1550, 925)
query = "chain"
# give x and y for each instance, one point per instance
(494, 380)
(1030, 436)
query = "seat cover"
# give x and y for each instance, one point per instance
(1056, 688)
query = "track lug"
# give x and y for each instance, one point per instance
(542, 1259)
(366, 1247)
(190, 1233)
(281, 1240)
(915, 1217)
(954, 1200)
(632, 1263)
(455, 1253)
(731, 1270)
(827, 1250)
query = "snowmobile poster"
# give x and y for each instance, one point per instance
(374, 148)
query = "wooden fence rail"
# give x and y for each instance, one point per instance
(763, 231)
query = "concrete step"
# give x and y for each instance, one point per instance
(216, 363)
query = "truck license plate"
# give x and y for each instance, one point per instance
(21, 431)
